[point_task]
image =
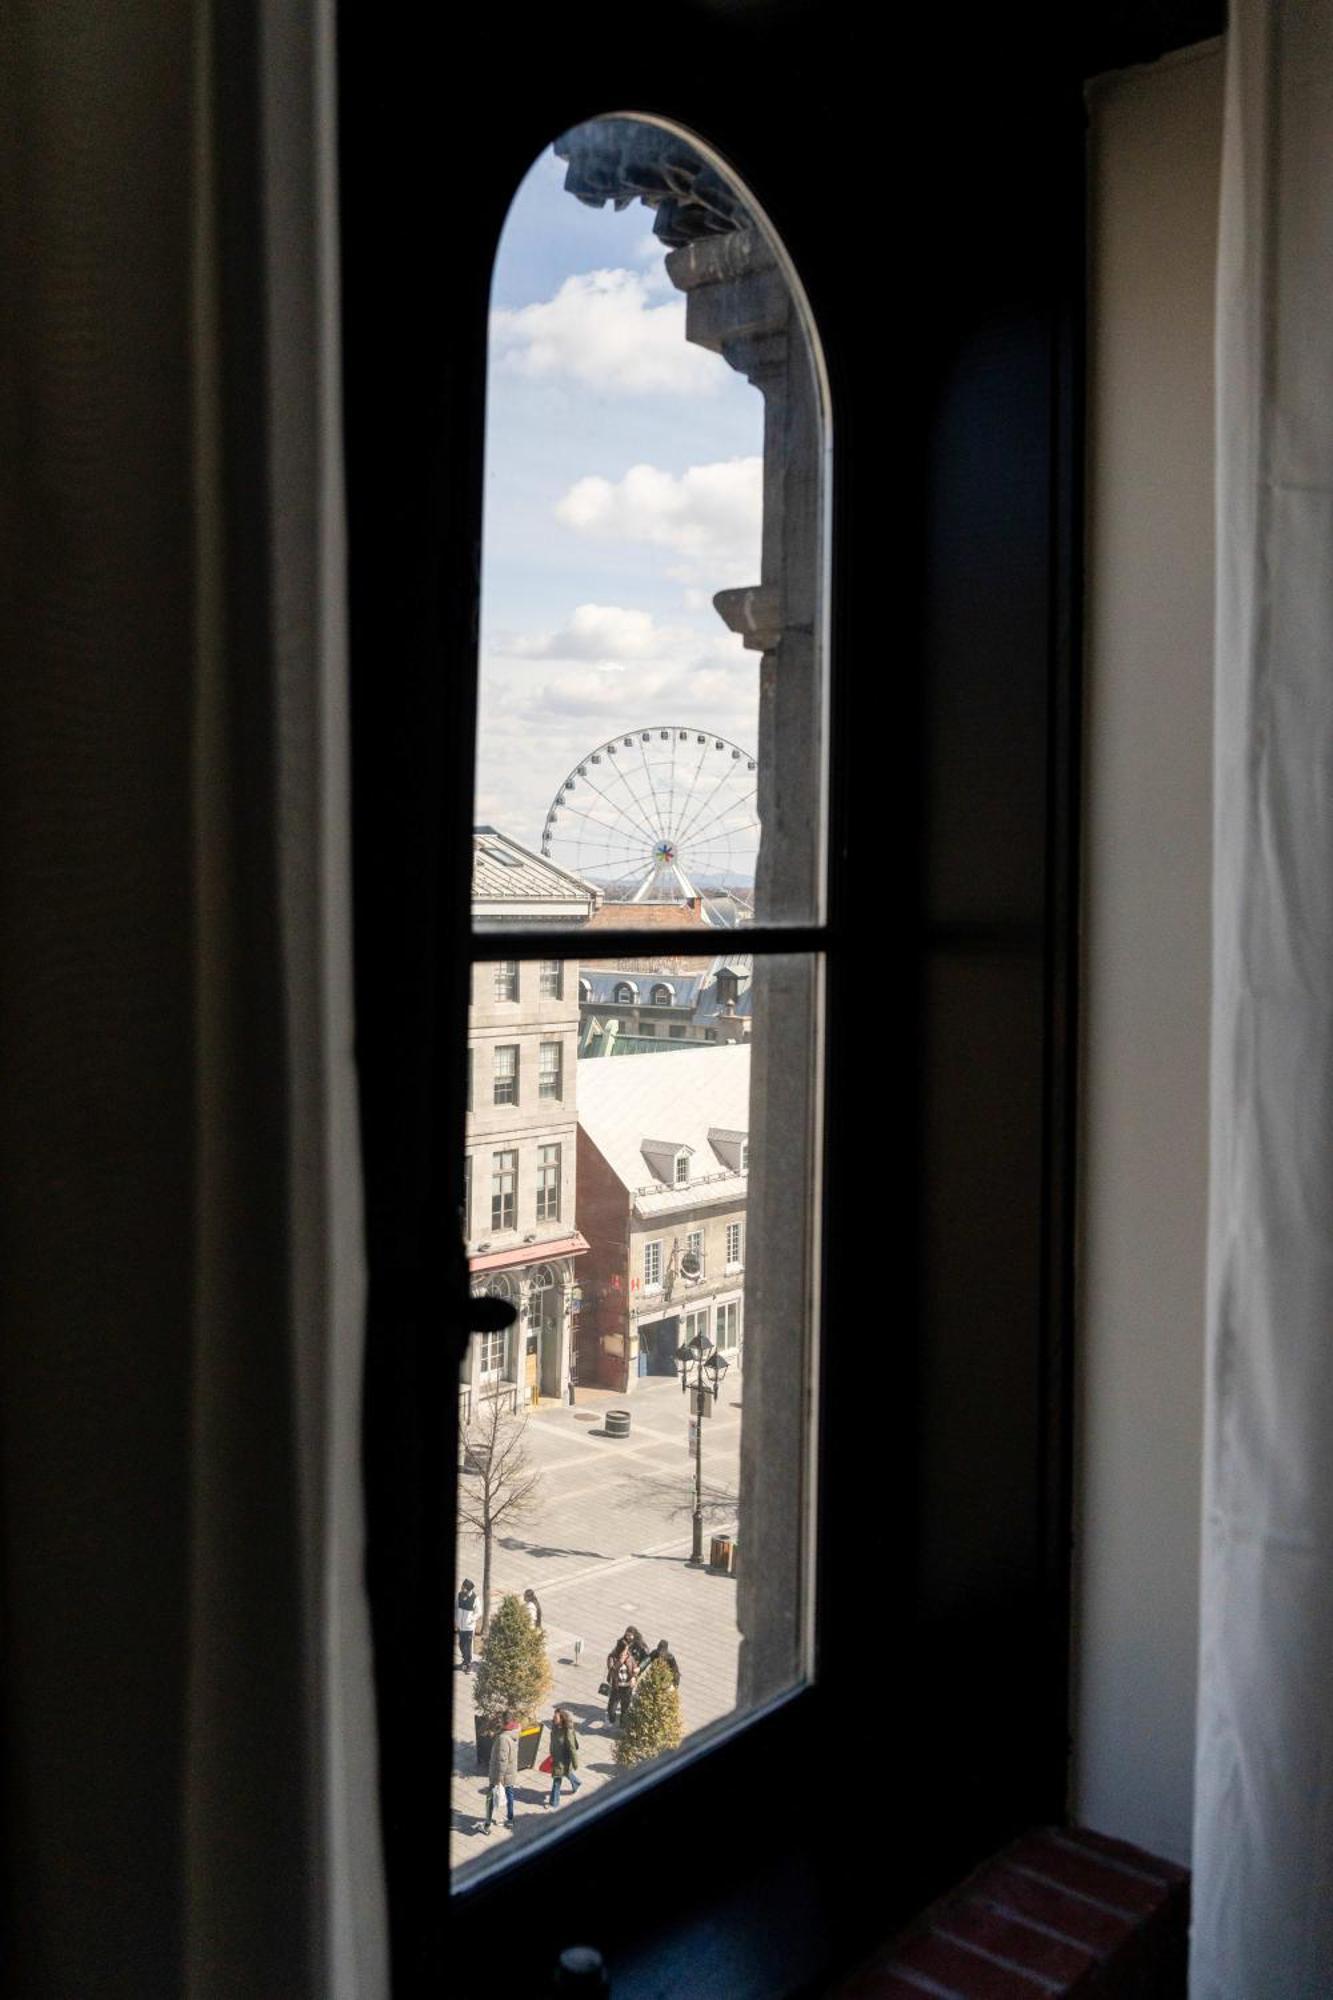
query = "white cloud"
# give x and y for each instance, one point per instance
(550, 698)
(710, 517)
(603, 328)
(608, 635)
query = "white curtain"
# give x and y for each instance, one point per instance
(1263, 1845)
(189, 1806)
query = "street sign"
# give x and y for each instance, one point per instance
(694, 1435)
(701, 1402)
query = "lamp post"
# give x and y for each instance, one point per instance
(705, 1361)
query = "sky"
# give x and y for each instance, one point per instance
(622, 489)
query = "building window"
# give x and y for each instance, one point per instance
(548, 1184)
(506, 979)
(745, 1156)
(728, 1323)
(733, 1246)
(491, 1355)
(551, 974)
(786, 892)
(504, 1186)
(506, 1074)
(670, 816)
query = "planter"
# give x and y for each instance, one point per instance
(529, 1742)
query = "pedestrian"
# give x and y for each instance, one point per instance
(661, 1651)
(465, 1620)
(621, 1673)
(533, 1608)
(503, 1771)
(637, 1644)
(564, 1754)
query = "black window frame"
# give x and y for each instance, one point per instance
(955, 548)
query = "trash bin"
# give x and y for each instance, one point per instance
(617, 1423)
(719, 1552)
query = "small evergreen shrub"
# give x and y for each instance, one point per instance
(515, 1674)
(652, 1725)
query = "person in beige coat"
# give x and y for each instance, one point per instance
(503, 1771)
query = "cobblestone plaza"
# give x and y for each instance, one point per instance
(608, 1546)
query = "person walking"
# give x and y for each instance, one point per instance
(621, 1674)
(661, 1651)
(637, 1644)
(533, 1608)
(564, 1754)
(503, 1771)
(465, 1620)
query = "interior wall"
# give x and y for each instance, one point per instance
(1155, 136)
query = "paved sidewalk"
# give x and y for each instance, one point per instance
(608, 1547)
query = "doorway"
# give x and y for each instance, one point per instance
(658, 1342)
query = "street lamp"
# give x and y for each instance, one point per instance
(705, 1361)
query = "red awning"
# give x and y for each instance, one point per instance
(531, 1253)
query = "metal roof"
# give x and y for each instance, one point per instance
(696, 991)
(622, 1106)
(503, 871)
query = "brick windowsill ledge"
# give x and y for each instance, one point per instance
(1060, 1912)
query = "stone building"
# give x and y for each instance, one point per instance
(521, 1153)
(664, 1165)
(624, 1012)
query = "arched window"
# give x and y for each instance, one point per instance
(659, 403)
(948, 771)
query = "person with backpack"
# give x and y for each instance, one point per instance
(564, 1754)
(621, 1674)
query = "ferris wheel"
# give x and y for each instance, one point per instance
(658, 815)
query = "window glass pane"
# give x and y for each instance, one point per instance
(652, 652)
(585, 1444)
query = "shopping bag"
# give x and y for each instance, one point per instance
(547, 1765)
(605, 1688)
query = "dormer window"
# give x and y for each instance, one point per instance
(732, 1148)
(668, 1161)
(624, 994)
(662, 996)
(728, 987)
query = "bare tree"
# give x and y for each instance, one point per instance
(505, 1488)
